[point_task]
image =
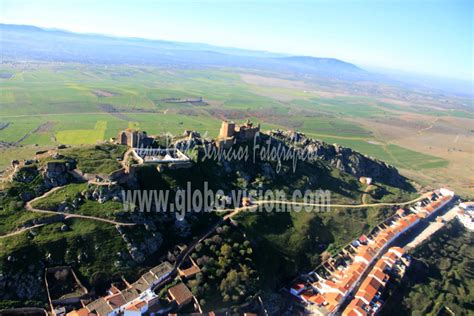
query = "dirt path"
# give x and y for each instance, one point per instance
(17, 232)
(369, 188)
(430, 126)
(256, 204)
(341, 205)
(29, 207)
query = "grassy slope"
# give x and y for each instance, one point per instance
(100, 159)
(289, 243)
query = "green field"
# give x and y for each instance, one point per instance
(50, 104)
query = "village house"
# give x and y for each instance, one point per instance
(180, 294)
(135, 299)
(367, 299)
(189, 270)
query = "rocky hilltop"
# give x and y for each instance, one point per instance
(344, 159)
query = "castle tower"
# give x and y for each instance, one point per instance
(227, 130)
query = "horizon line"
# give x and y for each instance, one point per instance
(379, 68)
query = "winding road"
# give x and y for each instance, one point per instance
(30, 207)
(340, 205)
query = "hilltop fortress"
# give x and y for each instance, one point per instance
(231, 132)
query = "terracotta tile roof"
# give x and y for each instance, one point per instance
(382, 265)
(79, 312)
(116, 300)
(136, 306)
(103, 309)
(347, 282)
(333, 298)
(371, 281)
(330, 284)
(317, 299)
(359, 267)
(363, 239)
(189, 271)
(181, 294)
(378, 274)
(366, 294)
(412, 218)
(390, 256)
(356, 308)
(366, 256)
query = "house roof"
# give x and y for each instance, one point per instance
(382, 264)
(99, 307)
(92, 306)
(317, 299)
(136, 306)
(116, 300)
(372, 282)
(180, 293)
(332, 298)
(79, 312)
(149, 277)
(140, 285)
(189, 271)
(330, 284)
(355, 311)
(162, 269)
(390, 256)
(377, 273)
(366, 256)
(363, 239)
(366, 293)
(130, 294)
(348, 281)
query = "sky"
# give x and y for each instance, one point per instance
(423, 37)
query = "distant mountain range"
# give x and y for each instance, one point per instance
(22, 42)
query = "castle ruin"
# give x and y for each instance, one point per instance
(231, 132)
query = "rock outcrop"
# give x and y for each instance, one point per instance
(343, 158)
